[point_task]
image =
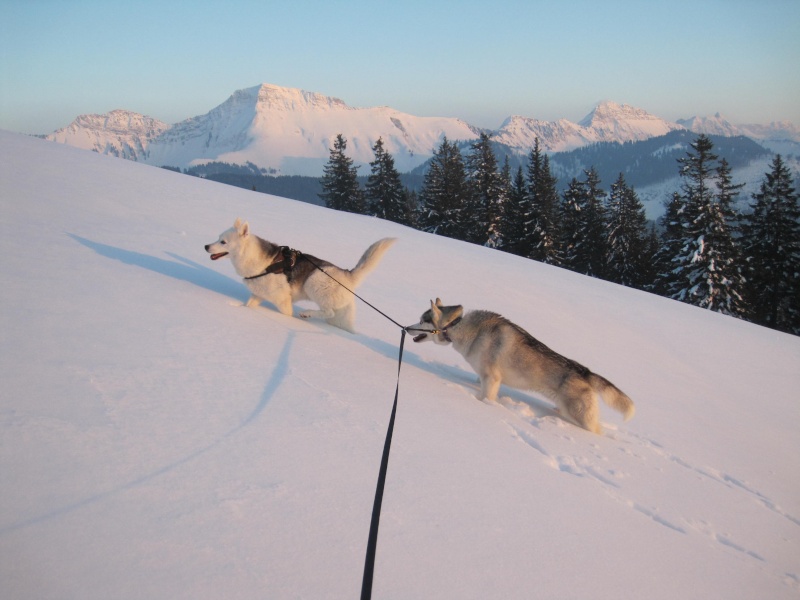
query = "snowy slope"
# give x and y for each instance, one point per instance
(161, 441)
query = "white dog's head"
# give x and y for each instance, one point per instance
(434, 322)
(229, 240)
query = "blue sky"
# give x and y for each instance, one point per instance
(480, 61)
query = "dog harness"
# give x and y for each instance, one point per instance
(284, 263)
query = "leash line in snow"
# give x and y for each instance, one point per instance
(372, 541)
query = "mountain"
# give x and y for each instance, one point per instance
(716, 125)
(608, 122)
(159, 440)
(283, 130)
(120, 133)
(781, 137)
(288, 131)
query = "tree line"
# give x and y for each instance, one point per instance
(705, 252)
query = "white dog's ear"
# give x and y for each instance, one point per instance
(242, 228)
(439, 302)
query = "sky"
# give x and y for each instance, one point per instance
(477, 61)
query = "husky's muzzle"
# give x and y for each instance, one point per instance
(423, 331)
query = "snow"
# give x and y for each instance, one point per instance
(159, 440)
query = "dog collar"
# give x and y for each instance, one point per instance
(444, 329)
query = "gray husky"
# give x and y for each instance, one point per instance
(281, 276)
(501, 352)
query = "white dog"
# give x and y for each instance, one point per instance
(282, 276)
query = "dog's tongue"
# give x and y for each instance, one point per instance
(217, 256)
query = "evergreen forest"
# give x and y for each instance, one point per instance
(703, 251)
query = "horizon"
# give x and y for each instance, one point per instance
(457, 60)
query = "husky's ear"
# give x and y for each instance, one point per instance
(439, 302)
(437, 314)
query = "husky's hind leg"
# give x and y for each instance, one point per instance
(490, 386)
(344, 317)
(581, 406)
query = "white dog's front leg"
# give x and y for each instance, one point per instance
(252, 301)
(284, 306)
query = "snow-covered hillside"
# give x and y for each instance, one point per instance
(160, 441)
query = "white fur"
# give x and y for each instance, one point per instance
(251, 255)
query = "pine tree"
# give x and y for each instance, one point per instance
(340, 189)
(385, 195)
(570, 229)
(596, 241)
(541, 226)
(584, 244)
(486, 192)
(725, 279)
(771, 240)
(650, 264)
(498, 236)
(668, 280)
(702, 271)
(513, 222)
(444, 194)
(628, 237)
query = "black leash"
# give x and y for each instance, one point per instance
(372, 542)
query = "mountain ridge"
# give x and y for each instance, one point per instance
(289, 131)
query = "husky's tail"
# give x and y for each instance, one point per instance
(613, 396)
(370, 259)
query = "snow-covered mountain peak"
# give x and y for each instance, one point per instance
(716, 125)
(608, 122)
(274, 97)
(117, 121)
(609, 112)
(121, 133)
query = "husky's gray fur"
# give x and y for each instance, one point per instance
(502, 352)
(251, 255)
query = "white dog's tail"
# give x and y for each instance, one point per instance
(369, 260)
(613, 396)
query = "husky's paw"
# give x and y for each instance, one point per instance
(305, 315)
